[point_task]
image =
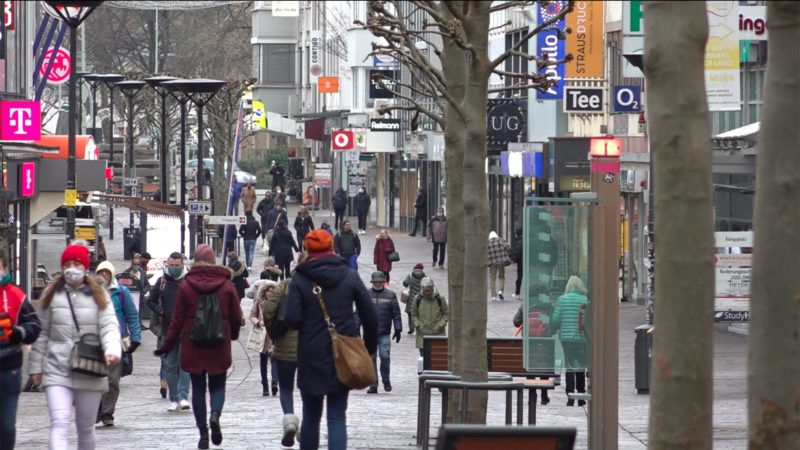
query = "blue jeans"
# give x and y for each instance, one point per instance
(249, 252)
(216, 390)
(352, 261)
(286, 371)
(177, 379)
(337, 420)
(384, 351)
(9, 396)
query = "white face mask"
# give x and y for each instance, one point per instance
(74, 276)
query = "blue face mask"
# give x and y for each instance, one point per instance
(5, 279)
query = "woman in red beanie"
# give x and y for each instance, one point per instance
(206, 365)
(73, 305)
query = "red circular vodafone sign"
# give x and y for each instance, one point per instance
(342, 140)
(59, 73)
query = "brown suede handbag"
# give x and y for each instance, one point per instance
(353, 363)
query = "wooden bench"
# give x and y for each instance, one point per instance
(481, 437)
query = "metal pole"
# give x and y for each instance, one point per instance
(164, 184)
(129, 162)
(111, 157)
(71, 181)
(94, 107)
(198, 222)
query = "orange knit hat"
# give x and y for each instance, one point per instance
(318, 241)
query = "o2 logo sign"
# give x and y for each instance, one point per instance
(627, 99)
(62, 64)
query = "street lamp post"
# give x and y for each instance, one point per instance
(129, 89)
(199, 91)
(108, 80)
(181, 99)
(155, 83)
(73, 13)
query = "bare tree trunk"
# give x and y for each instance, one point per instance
(476, 209)
(774, 354)
(681, 395)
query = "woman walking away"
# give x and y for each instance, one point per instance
(341, 290)
(239, 273)
(339, 207)
(284, 355)
(73, 307)
(281, 246)
(271, 270)
(19, 326)
(207, 318)
(303, 225)
(412, 282)
(265, 290)
(383, 246)
(567, 320)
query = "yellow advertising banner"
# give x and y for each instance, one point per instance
(585, 43)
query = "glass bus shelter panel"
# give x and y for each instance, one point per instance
(556, 275)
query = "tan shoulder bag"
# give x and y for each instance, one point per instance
(353, 363)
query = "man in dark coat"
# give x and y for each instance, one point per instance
(281, 246)
(277, 171)
(388, 310)
(348, 245)
(438, 229)
(339, 207)
(250, 233)
(421, 209)
(275, 215)
(342, 289)
(264, 207)
(516, 257)
(362, 202)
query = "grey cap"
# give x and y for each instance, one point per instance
(427, 282)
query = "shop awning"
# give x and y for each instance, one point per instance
(151, 207)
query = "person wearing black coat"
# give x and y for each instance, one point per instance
(516, 257)
(280, 247)
(421, 208)
(362, 202)
(303, 224)
(342, 289)
(339, 207)
(264, 207)
(388, 309)
(250, 233)
(239, 273)
(273, 217)
(348, 245)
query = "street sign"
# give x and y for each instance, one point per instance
(226, 220)
(323, 175)
(627, 99)
(342, 140)
(71, 197)
(59, 73)
(740, 239)
(200, 207)
(130, 182)
(583, 100)
(732, 316)
(86, 233)
(733, 260)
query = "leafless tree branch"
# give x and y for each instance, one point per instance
(546, 24)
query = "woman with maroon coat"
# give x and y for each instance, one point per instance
(206, 365)
(383, 246)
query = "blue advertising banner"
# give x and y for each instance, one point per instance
(550, 47)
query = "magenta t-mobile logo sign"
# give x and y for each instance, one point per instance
(20, 121)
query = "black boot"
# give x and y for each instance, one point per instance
(203, 442)
(274, 387)
(264, 389)
(216, 432)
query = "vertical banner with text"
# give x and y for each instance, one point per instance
(722, 56)
(314, 56)
(550, 47)
(585, 43)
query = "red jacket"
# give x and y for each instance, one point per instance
(382, 248)
(204, 279)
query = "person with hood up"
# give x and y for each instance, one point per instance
(429, 312)
(19, 325)
(281, 246)
(339, 207)
(266, 288)
(130, 330)
(388, 314)
(383, 246)
(362, 202)
(271, 270)
(162, 302)
(250, 232)
(420, 211)
(499, 258)
(566, 314)
(276, 215)
(438, 229)
(206, 365)
(239, 273)
(249, 198)
(412, 282)
(348, 245)
(303, 224)
(264, 207)
(73, 305)
(342, 290)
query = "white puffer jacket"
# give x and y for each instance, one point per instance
(51, 352)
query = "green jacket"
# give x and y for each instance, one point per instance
(284, 347)
(565, 317)
(429, 316)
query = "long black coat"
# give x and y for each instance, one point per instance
(362, 202)
(341, 289)
(421, 205)
(281, 245)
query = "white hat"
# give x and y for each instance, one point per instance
(426, 282)
(106, 265)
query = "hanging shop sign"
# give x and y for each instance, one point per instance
(506, 122)
(550, 48)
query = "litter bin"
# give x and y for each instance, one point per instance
(643, 351)
(130, 236)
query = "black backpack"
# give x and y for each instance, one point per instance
(208, 329)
